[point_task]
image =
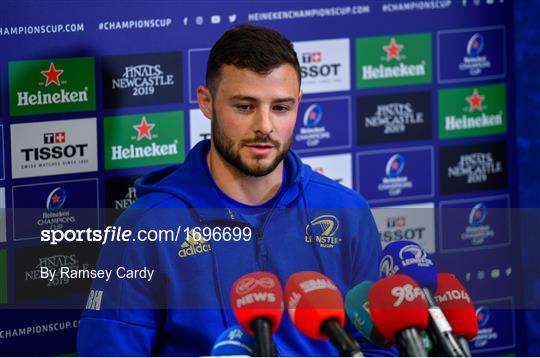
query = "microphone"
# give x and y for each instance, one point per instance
(234, 341)
(408, 258)
(357, 309)
(315, 307)
(257, 302)
(399, 311)
(458, 308)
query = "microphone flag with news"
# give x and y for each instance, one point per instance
(257, 301)
(357, 309)
(458, 308)
(234, 341)
(408, 258)
(316, 309)
(399, 311)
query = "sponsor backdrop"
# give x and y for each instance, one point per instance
(408, 102)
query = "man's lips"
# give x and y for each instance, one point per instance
(260, 148)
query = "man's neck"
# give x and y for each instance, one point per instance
(240, 187)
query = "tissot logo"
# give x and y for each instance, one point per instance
(473, 167)
(408, 222)
(142, 79)
(393, 60)
(324, 64)
(472, 111)
(29, 262)
(471, 54)
(394, 118)
(51, 86)
(52, 148)
(59, 205)
(141, 140)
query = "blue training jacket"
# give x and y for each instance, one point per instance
(315, 225)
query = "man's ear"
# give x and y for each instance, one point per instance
(204, 99)
(300, 94)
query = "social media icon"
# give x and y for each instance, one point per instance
(232, 18)
(215, 19)
(199, 20)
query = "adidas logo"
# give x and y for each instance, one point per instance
(193, 245)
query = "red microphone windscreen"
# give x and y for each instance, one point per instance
(311, 299)
(396, 303)
(257, 295)
(454, 301)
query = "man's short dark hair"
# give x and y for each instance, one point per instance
(255, 48)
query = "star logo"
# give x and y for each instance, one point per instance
(143, 129)
(393, 50)
(55, 199)
(52, 75)
(475, 101)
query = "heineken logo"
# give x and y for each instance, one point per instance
(472, 111)
(393, 60)
(143, 129)
(393, 50)
(52, 75)
(475, 101)
(52, 86)
(155, 139)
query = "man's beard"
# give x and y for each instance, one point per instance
(226, 148)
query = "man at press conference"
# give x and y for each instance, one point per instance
(245, 175)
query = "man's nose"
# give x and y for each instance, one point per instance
(263, 121)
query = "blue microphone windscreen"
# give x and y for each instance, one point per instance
(356, 306)
(234, 342)
(408, 258)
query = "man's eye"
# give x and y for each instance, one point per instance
(243, 107)
(280, 108)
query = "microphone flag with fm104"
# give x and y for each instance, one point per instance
(408, 258)
(316, 309)
(458, 308)
(257, 301)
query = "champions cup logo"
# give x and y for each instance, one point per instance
(311, 133)
(56, 199)
(323, 230)
(477, 232)
(414, 255)
(394, 183)
(473, 62)
(485, 334)
(313, 116)
(395, 166)
(143, 79)
(478, 215)
(387, 267)
(476, 167)
(54, 218)
(249, 284)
